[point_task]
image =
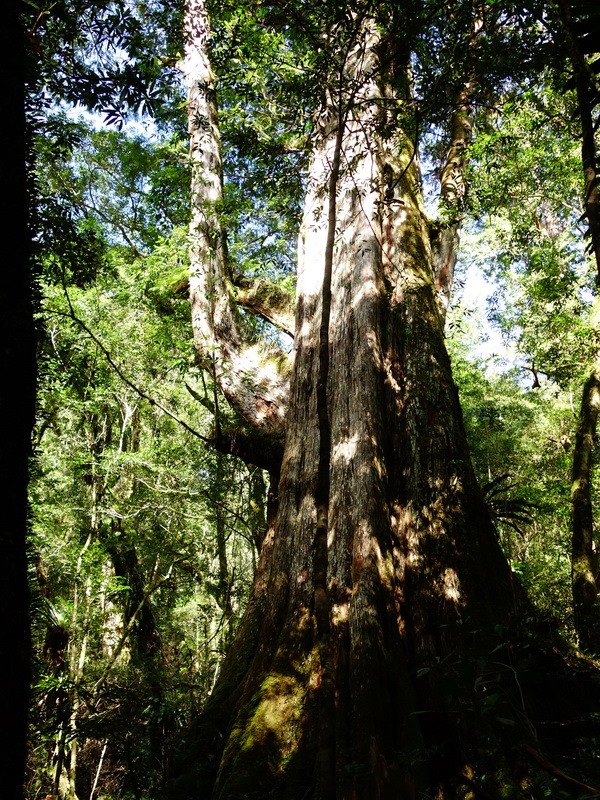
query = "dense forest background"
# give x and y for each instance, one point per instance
(145, 533)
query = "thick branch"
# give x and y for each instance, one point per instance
(253, 377)
(559, 774)
(445, 234)
(259, 449)
(268, 300)
(581, 45)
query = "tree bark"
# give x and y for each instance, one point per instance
(584, 568)
(381, 593)
(445, 232)
(17, 399)
(267, 300)
(586, 88)
(584, 559)
(254, 378)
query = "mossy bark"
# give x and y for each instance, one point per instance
(584, 558)
(252, 376)
(268, 300)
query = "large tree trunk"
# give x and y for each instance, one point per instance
(381, 592)
(17, 398)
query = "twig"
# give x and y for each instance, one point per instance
(128, 628)
(558, 773)
(99, 769)
(153, 402)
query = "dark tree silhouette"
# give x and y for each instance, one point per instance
(17, 393)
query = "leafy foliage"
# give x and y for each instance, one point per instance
(136, 540)
(528, 432)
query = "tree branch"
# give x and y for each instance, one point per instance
(268, 300)
(558, 773)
